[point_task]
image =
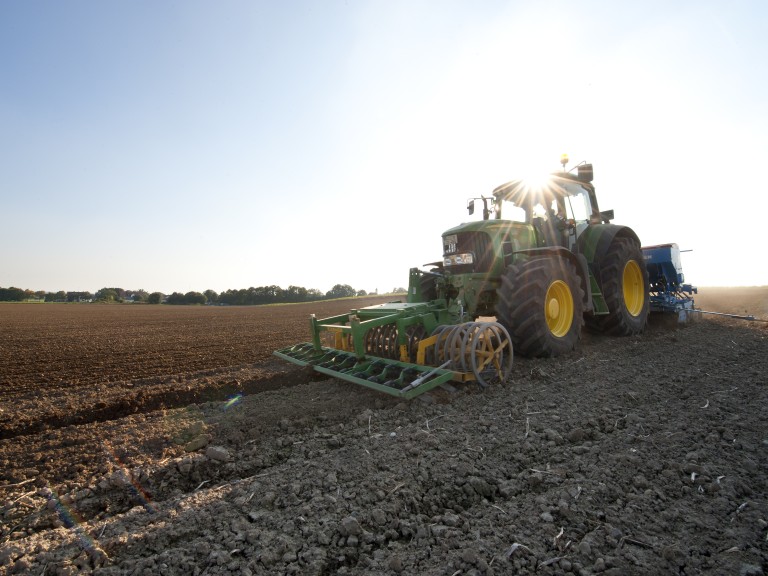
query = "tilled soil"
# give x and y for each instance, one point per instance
(640, 455)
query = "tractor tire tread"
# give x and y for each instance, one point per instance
(619, 322)
(521, 306)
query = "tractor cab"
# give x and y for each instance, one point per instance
(559, 208)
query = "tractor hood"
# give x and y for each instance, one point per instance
(488, 226)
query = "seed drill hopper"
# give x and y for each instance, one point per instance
(669, 293)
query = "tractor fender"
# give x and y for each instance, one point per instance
(578, 260)
(595, 241)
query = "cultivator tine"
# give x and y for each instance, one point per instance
(301, 354)
(385, 375)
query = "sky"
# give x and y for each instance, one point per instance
(180, 146)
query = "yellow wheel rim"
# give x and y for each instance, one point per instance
(634, 293)
(558, 308)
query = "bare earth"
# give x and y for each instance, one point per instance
(161, 440)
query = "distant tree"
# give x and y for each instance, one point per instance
(194, 298)
(314, 294)
(399, 290)
(228, 297)
(237, 297)
(211, 297)
(295, 294)
(108, 295)
(361, 293)
(341, 291)
(79, 296)
(139, 295)
(155, 298)
(273, 294)
(11, 294)
(61, 296)
(270, 294)
(175, 298)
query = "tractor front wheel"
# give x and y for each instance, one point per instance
(540, 302)
(625, 289)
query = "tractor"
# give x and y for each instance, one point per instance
(527, 282)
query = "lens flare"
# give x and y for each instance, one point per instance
(73, 521)
(232, 401)
(131, 484)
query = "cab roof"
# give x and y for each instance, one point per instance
(556, 186)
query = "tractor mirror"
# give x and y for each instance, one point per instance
(471, 207)
(607, 216)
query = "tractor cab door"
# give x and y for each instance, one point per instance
(552, 225)
(577, 211)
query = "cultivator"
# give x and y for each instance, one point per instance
(401, 349)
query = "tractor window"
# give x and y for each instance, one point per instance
(578, 208)
(514, 213)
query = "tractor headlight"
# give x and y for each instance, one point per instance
(458, 259)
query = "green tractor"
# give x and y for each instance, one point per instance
(553, 264)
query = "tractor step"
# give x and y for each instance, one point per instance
(598, 302)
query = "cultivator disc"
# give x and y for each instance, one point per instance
(384, 341)
(482, 349)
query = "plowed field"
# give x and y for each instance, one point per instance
(168, 440)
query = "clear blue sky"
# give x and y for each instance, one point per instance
(186, 145)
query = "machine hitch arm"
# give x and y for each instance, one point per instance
(750, 317)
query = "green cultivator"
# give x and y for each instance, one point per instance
(557, 264)
(401, 349)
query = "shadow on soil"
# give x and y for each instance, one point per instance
(143, 396)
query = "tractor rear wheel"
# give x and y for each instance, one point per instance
(540, 302)
(625, 289)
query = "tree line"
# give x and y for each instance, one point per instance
(242, 297)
